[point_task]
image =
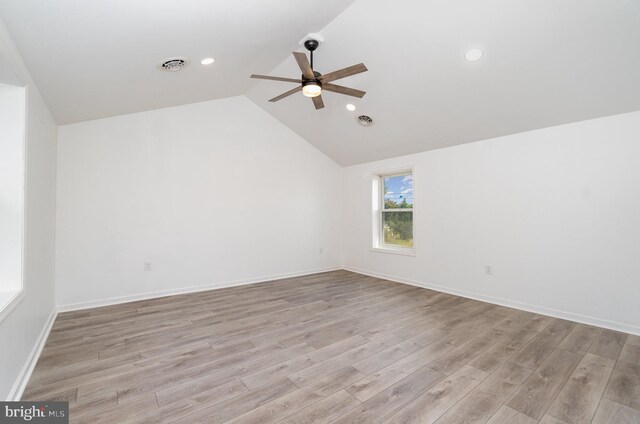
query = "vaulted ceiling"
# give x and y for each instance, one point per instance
(93, 59)
(546, 62)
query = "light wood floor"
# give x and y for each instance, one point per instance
(335, 347)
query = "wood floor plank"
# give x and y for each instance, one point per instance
(285, 368)
(411, 330)
(608, 343)
(614, 413)
(324, 411)
(387, 402)
(506, 415)
(427, 407)
(221, 391)
(535, 352)
(484, 401)
(87, 402)
(580, 338)
(579, 398)
(491, 359)
(548, 419)
(380, 380)
(632, 339)
(451, 361)
(98, 395)
(624, 385)
(539, 322)
(65, 396)
(119, 413)
(211, 372)
(335, 381)
(386, 357)
(425, 338)
(540, 389)
(324, 336)
(630, 353)
(514, 322)
(278, 409)
(317, 371)
(224, 411)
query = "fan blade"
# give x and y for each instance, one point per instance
(304, 65)
(317, 102)
(287, 94)
(343, 90)
(343, 73)
(267, 77)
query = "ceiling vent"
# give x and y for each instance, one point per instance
(173, 64)
(364, 120)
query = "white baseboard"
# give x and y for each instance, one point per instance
(584, 319)
(193, 289)
(25, 374)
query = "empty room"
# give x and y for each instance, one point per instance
(296, 212)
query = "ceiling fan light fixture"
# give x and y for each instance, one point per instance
(311, 89)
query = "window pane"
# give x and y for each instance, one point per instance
(398, 192)
(398, 228)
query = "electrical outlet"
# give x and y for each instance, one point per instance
(488, 270)
(147, 266)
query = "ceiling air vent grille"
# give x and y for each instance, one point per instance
(173, 64)
(364, 120)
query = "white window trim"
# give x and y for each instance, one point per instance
(378, 202)
(10, 298)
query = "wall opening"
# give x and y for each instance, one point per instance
(12, 185)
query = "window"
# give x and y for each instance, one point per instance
(12, 128)
(394, 220)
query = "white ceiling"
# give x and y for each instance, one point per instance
(93, 59)
(547, 62)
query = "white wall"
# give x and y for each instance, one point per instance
(556, 212)
(211, 193)
(21, 331)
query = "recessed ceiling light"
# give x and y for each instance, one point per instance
(351, 107)
(207, 61)
(473, 55)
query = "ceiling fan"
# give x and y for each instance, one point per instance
(313, 82)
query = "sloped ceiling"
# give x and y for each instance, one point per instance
(547, 62)
(93, 59)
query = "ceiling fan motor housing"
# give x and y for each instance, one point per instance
(315, 81)
(311, 82)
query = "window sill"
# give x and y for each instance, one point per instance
(394, 251)
(8, 300)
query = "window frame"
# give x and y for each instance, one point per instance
(378, 244)
(10, 298)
